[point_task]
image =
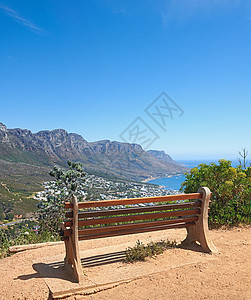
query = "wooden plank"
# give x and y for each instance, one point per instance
(96, 230)
(134, 231)
(112, 212)
(130, 218)
(129, 201)
(135, 225)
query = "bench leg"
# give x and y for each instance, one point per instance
(199, 231)
(72, 260)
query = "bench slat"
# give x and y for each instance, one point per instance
(96, 230)
(132, 231)
(113, 212)
(115, 202)
(130, 218)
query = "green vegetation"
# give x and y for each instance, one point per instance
(139, 252)
(21, 234)
(51, 209)
(231, 191)
(15, 199)
(18, 183)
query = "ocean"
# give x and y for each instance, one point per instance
(174, 182)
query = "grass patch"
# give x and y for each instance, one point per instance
(140, 251)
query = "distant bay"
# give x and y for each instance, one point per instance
(169, 183)
(174, 182)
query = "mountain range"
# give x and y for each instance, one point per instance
(23, 151)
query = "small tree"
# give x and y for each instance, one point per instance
(243, 155)
(51, 209)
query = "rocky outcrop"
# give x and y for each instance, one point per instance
(4, 138)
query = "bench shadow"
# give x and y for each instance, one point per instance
(103, 259)
(27, 276)
(56, 269)
(52, 270)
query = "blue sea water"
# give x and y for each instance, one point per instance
(174, 182)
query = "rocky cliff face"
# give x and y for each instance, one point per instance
(162, 156)
(3, 134)
(123, 160)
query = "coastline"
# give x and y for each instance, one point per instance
(150, 178)
(169, 182)
(159, 177)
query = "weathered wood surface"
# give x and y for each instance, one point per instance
(199, 231)
(72, 260)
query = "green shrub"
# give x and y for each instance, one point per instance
(139, 252)
(231, 191)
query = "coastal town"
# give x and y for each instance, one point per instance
(99, 188)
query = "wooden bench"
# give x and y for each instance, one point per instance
(132, 216)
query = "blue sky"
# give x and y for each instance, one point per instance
(93, 66)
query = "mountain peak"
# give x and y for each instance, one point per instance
(3, 127)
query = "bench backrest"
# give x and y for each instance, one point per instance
(129, 216)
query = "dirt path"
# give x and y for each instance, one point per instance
(226, 277)
(5, 186)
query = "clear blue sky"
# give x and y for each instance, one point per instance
(93, 66)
